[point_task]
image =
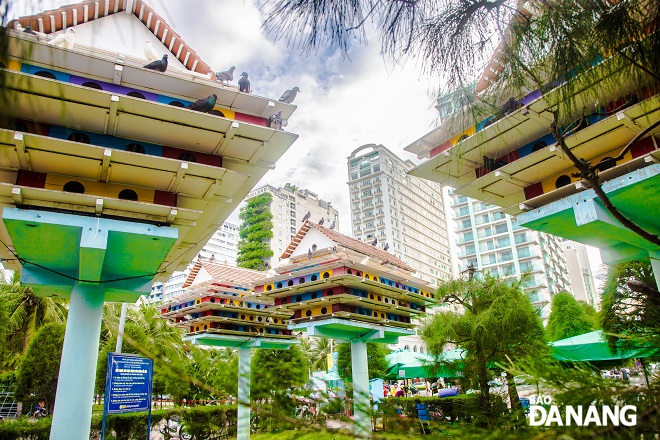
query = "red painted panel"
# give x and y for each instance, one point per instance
(256, 120)
(533, 191)
(164, 198)
(642, 147)
(440, 148)
(206, 159)
(31, 179)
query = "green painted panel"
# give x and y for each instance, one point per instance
(50, 245)
(135, 254)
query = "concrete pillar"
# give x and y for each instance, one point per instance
(655, 264)
(361, 401)
(75, 386)
(243, 394)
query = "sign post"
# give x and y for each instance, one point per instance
(128, 384)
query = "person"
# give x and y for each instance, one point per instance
(624, 375)
(38, 408)
(399, 392)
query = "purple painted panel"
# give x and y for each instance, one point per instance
(531, 97)
(113, 88)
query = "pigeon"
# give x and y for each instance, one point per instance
(332, 225)
(64, 40)
(314, 247)
(159, 65)
(244, 83)
(289, 95)
(306, 217)
(309, 254)
(275, 120)
(226, 75)
(386, 247)
(321, 221)
(149, 52)
(28, 30)
(375, 242)
(204, 105)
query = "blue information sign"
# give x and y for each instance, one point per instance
(128, 383)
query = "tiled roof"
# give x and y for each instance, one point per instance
(224, 273)
(88, 10)
(347, 242)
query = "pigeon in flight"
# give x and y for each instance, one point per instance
(159, 65)
(244, 83)
(204, 105)
(332, 225)
(289, 95)
(321, 221)
(225, 76)
(314, 247)
(386, 247)
(306, 217)
(64, 40)
(375, 242)
(149, 52)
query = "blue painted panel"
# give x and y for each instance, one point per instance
(103, 140)
(27, 68)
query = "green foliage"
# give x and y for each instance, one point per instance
(591, 314)
(496, 323)
(628, 313)
(274, 371)
(25, 429)
(255, 232)
(40, 366)
(567, 318)
(376, 361)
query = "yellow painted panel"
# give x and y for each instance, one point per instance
(469, 132)
(229, 114)
(14, 65)
(370, 276)
(326, 274)
(316, 311)
(550, 184)
(56, 182)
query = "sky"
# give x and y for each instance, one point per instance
(344, 103)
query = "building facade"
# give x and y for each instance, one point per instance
(402, 212)
(493, 243)
(289, 206)
(579, 271)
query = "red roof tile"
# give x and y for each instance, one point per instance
(347, 242)
(70, 15)
(224, 273)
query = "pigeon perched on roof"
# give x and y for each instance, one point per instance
(332, 225)
(321, 221)
(149, 52)
(386, 247)
(244, 83)
(204, 105)
(289, 95)
(275, 120)
(159, 65)
(309, 254)
(375, 242)
(226, 75)
(306, 217)
(64, 40)
(28, 30)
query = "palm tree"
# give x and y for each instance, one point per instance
(25, 314)
(320, 348)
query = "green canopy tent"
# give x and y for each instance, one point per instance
(405, 364)
(593, 348)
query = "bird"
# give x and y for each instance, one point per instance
(149, 52)
(159, 65)
(332, 225)
(226, 75)
(204, 105)
(275, 120)
(306, 217)
(64, 40)
(375, 242)
(244, 83)
(314, 247)
(321, 221)
(309, 254)
(28, 30)
(386, 247)
(289, 95)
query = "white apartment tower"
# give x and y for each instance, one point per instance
(403, 212)
(493, 243)
(579, 271)
(289, 206)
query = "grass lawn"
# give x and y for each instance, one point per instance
(325, 435)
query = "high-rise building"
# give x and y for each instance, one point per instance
(579, 271)
(493, 243)
(289, 206)
(403, 213)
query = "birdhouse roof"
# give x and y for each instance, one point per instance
(205, 270)
(345, 241)
(71, 15)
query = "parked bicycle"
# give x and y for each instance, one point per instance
(173, 427)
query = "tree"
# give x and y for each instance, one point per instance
(376, 361)
(274, 371)
(255, 232)
(567, 318)
(39, 368)
(582, 47)
(493, 321)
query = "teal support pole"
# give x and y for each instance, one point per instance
(75, 386)
(243, 393)
(655, 265)
(361, 400)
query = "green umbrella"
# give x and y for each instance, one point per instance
(592, 347)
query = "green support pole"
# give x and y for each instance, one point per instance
(361, 400)
(243, 393)
(655, 264)
(75, 386)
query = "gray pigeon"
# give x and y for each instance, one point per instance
(306, 217)
(309, 254)
(28, 30)
(275, 120)
(375, 242)
(225, 76)
(289, 95)
(204, 105)
(321, 221)
(332, 225)
(244, 83)
(159, 65)
(386, 247)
